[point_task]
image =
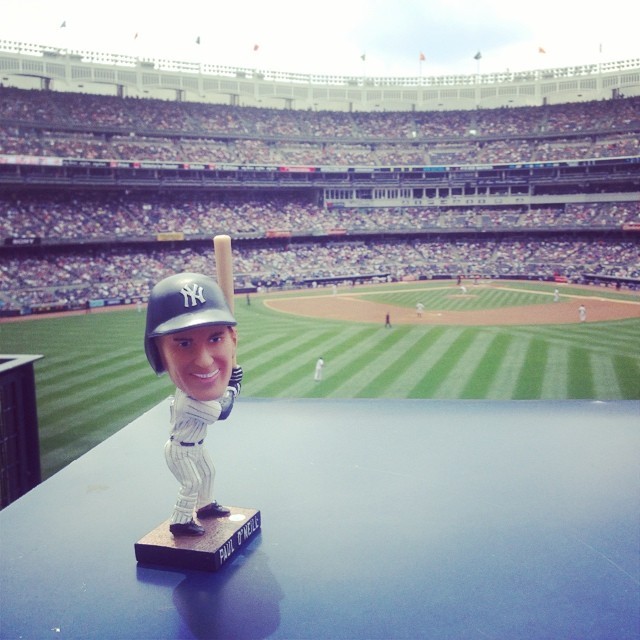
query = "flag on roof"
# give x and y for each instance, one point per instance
(477, 56)
(541, 50)
(422, 57)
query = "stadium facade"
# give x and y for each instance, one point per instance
(35, 66)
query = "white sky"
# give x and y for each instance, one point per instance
(330, 36)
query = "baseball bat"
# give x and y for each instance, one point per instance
(224, 270)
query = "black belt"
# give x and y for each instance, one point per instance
(189, 444)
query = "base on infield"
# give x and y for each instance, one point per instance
(222, 540)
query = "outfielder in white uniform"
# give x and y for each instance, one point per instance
(191, 335)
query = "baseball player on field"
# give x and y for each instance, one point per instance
(190, 334)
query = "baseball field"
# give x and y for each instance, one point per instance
(494, 341)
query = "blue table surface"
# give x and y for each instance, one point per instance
(380, 519)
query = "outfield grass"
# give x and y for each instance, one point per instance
(94, 378)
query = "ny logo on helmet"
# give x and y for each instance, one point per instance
(192, 294)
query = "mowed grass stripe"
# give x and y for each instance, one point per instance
(101, 384)
(92, 368)
(270, 363)
(530, 378)
(411, 367)
(479, 381)
(68, 445)
(627, 370)
(504, 382)
(604, 337)
(339, 353)
(500, 298)
(605, 381)
(347, 360)
(580, 374)
(555, 379)
(384, 367)
(261, 351)
(432, 348)
(111, 415)
(452, 299)
(466, 366)
(80, 411)
(59, 450)
(86, 417)
(296, 363)
(379, 364)
(429, 384)
(598, 337)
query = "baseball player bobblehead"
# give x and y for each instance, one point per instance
(190, 334)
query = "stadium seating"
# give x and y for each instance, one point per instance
(70, 240)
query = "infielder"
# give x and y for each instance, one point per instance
(190, 334)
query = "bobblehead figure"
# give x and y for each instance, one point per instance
(190, 334)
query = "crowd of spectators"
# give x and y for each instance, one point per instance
(58, 109)
(22, 141)
(73, 278)
(71, 215)
(40, 123)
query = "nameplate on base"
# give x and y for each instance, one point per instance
(222, 539)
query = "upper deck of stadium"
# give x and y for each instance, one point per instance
(27, 65)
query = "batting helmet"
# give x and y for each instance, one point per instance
(183, 301)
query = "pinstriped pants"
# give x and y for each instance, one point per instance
(194, 470)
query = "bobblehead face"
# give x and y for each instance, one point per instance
(199, 360)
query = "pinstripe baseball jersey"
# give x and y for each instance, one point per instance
(189, 417)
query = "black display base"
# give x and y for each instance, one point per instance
(222, 539)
